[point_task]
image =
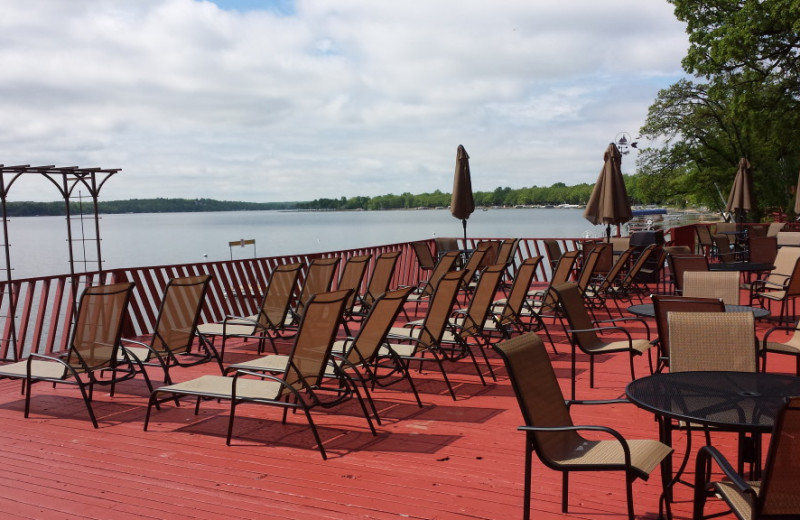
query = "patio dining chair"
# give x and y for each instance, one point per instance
(679, 264)
(665, 304)
(269, 323)
(705, 244)
(732, 335)
(782, 286)
(777, 494)
(92, 350)
(712, 284)
(584, 333)
(557, 441)
(790, 347)
(175, 330)
(300, 387)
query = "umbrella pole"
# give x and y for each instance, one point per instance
(464, 224)
(608, 233)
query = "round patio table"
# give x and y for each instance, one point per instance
(646, 310)
(744, 402)
(745, 267)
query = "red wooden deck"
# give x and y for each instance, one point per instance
(449, 460)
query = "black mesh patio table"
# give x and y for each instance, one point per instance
(646, 310)
(744, 402)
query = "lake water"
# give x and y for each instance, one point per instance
(39, 245)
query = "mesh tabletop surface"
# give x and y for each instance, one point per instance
(648, 311)
(746, 401)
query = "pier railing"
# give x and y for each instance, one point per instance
(36, 313)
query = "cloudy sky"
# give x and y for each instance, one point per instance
(280, 100)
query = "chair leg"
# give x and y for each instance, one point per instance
(564, 490)
(526, 505)
(629, 492)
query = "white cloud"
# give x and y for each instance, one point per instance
(330, 98)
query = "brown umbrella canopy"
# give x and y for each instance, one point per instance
(461, 204)
(609, 202)
(741, 198)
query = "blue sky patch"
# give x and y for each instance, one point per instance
(281, 7)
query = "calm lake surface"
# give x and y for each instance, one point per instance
(39, 246)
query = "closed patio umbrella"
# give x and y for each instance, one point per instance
(461, 203)
(609, 202)
(740, 201)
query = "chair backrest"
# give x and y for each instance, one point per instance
(352, 276)
(424, 255)
(481, 303)
(443, 266)
(180, 310)
(785, 261)
(616, 270)
(788, 238)
(724, 253)
(319, 279)
(490, 248)
(473, 264)
(762, 250)
(678, 250)
(539, 395)
(446, 244)
(98, 327)
(757, 230)
(278, 296)
(780, 494)
(553, 251)
(606, 255)
(640, 262)
(712, 284)
(589, 268)
(439, 309)
(665, 304)
(519, 290)
(774, 228)
(508, 249)
(376, 325)
(570, 300)
(703, 235)
(712, 341)
(726, 227)
(382, 275)
(314, 340)
(564, 267)
(679, 264)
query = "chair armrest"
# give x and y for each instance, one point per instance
(708, 453)
(575, 428)
(786, 328)
(570, 402)
(628, 318)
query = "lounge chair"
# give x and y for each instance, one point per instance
(553, 250)
(92, 351)
(422, 343)
(355, 353)
(777, 494)
(507, 253)
(514, 314)
(351, 278)
(583, 332)
(425, 260)
(596, 292)
(176, 329)
(705, 244)
(379, 282)
(630, 283)
(468, 324)
(425, 290)
(551, 433)
(270, 322)
(318, 279)
(300, 387)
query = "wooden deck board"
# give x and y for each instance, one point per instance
(459, 460)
